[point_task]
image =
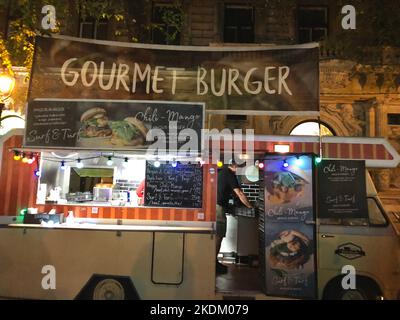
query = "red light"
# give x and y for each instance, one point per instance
(261, 165)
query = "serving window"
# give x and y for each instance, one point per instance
(119, 180)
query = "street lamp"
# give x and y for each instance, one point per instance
(7, 83)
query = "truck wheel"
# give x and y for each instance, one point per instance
(109, 289)
(366, 290)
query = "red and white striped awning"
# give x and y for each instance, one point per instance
(377, 152)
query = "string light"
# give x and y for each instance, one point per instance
(174, 164)
(298, 161)
(79, 164)
(156, 163)
(261, 165)
(125, 163)
(110, 161)
(24, 158)
(31, 159)
(37, 173)
(318, 160)
(219, 164)
(17, 156)
(285, 164)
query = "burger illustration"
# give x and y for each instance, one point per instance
(291, 250)
(128, 132)
(283, 187)
(95, 123)
(95, 128)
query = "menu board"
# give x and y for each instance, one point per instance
(177, 187)
(290, 268)
(116, 125)
(342, 189)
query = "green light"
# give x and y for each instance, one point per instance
(318, 160)
(23, 211)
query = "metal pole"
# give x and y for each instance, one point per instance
(2, 105)
(320, 137)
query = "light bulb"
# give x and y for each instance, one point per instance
(285, 164)
(31, 160)
(157, 163)
(79, 164)
(110, 161)
(298, 161)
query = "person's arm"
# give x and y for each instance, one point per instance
(242, 197)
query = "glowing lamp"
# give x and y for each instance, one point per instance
(79, 164)
(285, 164)
(7, 83)
(110, 161)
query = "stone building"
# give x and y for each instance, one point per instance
(356, 99)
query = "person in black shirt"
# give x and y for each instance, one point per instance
(227, 186)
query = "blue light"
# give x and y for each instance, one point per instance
(37, 173)
(299, 161)
(318, 160)
(285, 164)
(174, 164)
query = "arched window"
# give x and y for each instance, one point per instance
(311, 128)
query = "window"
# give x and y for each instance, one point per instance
(166, 20)
(312, 24)
(311, 128)
(92, 29)
(376, 217)
(238, 24)
(393, 118)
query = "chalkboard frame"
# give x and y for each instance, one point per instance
(149, 164)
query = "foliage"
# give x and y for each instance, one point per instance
(377, 27)
(172, 21)
(25, 16)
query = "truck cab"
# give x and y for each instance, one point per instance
(367, 247)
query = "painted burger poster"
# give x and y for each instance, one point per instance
(289, 235)
(114, 125)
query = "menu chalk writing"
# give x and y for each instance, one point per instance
(342, 191)
(177, 187)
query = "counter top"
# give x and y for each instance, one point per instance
(114, 227)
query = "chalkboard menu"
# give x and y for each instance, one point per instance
(177, 187)
(341, 189)
(113, 124)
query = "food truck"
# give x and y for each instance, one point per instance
(110, 190)
(115, 249)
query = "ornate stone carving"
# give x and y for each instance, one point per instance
(349, 114)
